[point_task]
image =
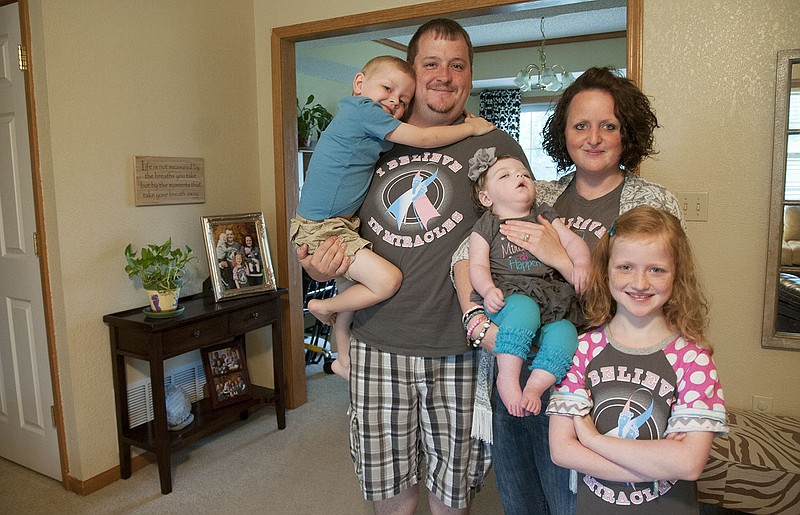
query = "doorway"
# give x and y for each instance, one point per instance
(285, 131)
(31, 432)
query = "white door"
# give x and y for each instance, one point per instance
(27, 435)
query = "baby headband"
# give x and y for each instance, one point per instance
(480, 162)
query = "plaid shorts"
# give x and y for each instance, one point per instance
(411, 416)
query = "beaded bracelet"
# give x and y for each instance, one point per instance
(471, 312)
(472, 317)
(477, 341)
(472, 327)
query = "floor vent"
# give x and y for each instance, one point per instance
(190, 378)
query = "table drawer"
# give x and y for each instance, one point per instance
(194, 336)
(252, 317)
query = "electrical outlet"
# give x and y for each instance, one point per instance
(694, 206)
(762, 404)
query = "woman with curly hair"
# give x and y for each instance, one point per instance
(599, 133)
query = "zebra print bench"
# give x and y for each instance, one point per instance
(756, 467)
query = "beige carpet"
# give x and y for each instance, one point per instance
(251, 467)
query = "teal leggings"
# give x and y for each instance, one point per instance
(519, 324)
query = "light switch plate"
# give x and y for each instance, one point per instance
(694, 206)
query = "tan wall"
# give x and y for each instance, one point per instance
(180, 78)
(710, 70)
(116, 79)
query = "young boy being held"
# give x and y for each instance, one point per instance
(367, 124)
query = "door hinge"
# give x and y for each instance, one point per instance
(36, 244)
(53, 416)
(22, 54)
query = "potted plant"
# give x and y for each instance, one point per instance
(312, 119)
(162, 270)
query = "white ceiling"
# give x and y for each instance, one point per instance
(563, 18)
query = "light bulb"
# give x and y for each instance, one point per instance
(547, 78)
(523, 81)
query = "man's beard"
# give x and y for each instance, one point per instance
(441, 109)
(440, 102)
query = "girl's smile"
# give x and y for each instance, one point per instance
(641, 273)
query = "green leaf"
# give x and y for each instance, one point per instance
(160, 267)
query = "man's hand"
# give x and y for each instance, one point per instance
(328, 262)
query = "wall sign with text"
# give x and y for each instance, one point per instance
(168, 180)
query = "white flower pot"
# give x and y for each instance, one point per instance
(163, 300)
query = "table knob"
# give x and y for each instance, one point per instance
(256, 314)
(196, 334)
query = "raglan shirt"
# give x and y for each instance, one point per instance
(641, 394)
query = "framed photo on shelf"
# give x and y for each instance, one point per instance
(238, 255)
(226, 374)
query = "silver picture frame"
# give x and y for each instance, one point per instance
(239, 261)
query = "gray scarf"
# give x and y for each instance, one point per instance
(482, 409)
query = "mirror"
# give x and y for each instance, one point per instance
(284, 124)
(781, 327)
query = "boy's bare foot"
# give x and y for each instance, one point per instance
(341, 369)
(317, 308)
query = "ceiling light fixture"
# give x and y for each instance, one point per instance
(548, 78)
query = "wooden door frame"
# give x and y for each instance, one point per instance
(284, 128)
(41, 236)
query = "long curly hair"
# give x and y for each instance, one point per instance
(687, 307)
(631, 107)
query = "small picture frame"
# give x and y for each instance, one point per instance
(226, 374)
(238, 255)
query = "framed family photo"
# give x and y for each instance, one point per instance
(226, 374)
(238, 255)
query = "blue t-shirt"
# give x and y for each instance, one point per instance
(344, 160)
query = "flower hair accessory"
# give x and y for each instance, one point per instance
(480, 162)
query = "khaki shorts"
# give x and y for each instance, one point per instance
(313, 233)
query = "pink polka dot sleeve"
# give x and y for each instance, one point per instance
(700, 404)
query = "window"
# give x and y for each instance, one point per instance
(792, 192)
(531, 123)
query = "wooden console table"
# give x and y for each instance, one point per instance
(203, 323)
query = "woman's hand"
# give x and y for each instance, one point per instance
(328, 262)
(541, 240)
